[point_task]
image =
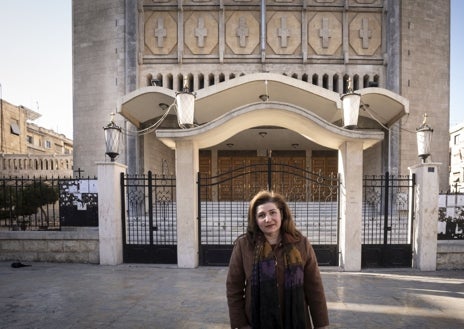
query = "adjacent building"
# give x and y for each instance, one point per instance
(456, 146)
(30, 150)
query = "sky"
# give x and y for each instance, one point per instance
(36, 60)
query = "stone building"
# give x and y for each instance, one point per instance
(456, 146)
(132, 57)
(30, 150)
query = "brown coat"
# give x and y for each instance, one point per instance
(239, 285)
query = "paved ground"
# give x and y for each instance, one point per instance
(47, 295)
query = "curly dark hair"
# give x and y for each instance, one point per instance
(262, 197)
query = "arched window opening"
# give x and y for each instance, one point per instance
(211, 79)
(201, 81)
(325, 81)
(190, 82)
(315, 80)
(231, 76)
(159, 78)
(304, 77)
(170, 82)
(149, 80)
(366, 81)
(356, 82)
(180, 82)
(295, 76)
(222, 78)
(345, 83)
(335, 81)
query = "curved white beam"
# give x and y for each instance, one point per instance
(278, 114)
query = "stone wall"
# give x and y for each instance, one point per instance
(450, 255)
(82, 246)
(70, 246)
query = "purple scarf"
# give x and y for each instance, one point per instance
(266, 313)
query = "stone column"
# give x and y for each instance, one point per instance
(109, 212)
(187, 204)
(425, 224)
(350, 167)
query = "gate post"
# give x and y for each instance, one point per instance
(350, 167)
(187, 204)
(425, 224)
(109, 212)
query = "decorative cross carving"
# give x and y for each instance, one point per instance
(160, 32)
(324, 32)
(201, 32)
(242, 31)
(364, 33)
(283, 32)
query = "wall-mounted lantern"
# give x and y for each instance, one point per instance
(112, 135)
(350, 105)
(424, 139)
(185, 105)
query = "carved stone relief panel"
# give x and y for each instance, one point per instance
(242, 32)
(160, 32)
(326, 2)
(376, 3)
(365, 33)
(284, 32)
(242, 2)
(201, 32)
(149, 2)
(200, 2)
(325, 34)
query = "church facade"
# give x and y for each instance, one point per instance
(277, 56)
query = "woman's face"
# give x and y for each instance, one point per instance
(269, 219)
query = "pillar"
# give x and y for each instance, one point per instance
(350, 167)
(187, 204)
(109, 212)
(425, 224)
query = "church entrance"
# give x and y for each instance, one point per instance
(224, 197)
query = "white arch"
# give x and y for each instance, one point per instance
(278, 114)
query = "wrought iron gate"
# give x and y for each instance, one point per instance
(387, 222)
(223, 207)
(149, 219)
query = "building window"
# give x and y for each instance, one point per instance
(14, 127)
(48, 144)
(30, 139)
(457, 139)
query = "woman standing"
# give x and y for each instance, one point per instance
(273, 279)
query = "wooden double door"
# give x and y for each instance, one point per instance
(285, 172)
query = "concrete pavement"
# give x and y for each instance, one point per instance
(56, 295)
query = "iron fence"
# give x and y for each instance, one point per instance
(41, 203)
(451, 216)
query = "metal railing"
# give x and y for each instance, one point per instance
(41, 203)
(451, 216)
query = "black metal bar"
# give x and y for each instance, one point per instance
(123, 207)
(385, 219)
(150, 206)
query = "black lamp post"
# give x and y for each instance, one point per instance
(424, 139)
(112, 134)
(350, 104)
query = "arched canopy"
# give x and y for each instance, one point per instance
(283, 115)
(142, 105)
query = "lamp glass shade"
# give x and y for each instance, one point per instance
(112, 135)
(185, 108)
(424, 139)
(351, 102)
